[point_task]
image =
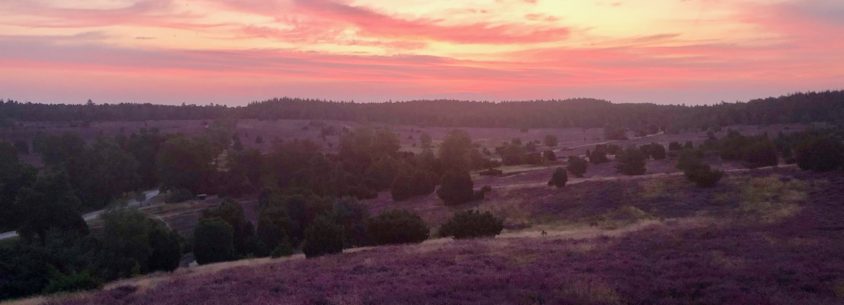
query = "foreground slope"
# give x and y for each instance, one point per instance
(762, 253)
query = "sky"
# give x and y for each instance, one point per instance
(237, 51)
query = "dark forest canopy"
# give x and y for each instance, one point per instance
(823, 106)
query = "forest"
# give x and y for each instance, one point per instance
(795, 108)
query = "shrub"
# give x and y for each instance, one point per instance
(273, 226)
(456, 188)
(232, 213)
(472, 224)
(703, 175)
(213, 241)
(352, 216)
(675, 146)
(631, 162)
(761, 153)
(820, 154)
(73, 282)
(657, 151)
(688, 159)
(166, 249)
(283, 249)
(323, 237)
(407, 186)
(577, 166)
(397, 227)
(558, 178)
(598, 156)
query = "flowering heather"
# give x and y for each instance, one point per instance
(796, 260)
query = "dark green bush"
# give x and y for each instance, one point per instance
(166, 249)
(73, 282)
(472, 224)
(703, 175)
(283, 249)
(213, 241)
(631, 162)
(397, 227)
(820, 154)
(323, 237)
(577, 166)
(558, 178)
(456, 188)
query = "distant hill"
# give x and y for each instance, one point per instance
(823, 106)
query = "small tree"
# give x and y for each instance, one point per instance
(323, 237)
(631, 162)
(456, 188)
(577, 166)
(472, 224)
(558, 178)
(397, 227)
(551, 140)
(213, 241)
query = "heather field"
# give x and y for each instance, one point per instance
(765, 237)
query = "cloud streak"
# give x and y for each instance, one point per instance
(238, 51)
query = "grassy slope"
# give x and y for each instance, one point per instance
(759, 238)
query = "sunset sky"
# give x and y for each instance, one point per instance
(237, 51)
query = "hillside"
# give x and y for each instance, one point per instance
(777, 242)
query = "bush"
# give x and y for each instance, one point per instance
(472, 224)
(577, 166)
(283, 249)
(598, 156)
(675, 146)
(456, 188)
(761, 153)
(166, 249)
(656, 151)
(820, 154)
(406, 186)
(178, 195)
(73, 282)
(688, 159)
(323, 237)
(703, 175)
(273, 226)
(558, 178)
(631, 162)
(397, 227)
(213, 241)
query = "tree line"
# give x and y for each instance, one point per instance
(826, 106)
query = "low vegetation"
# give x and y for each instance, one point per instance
(472, 224)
